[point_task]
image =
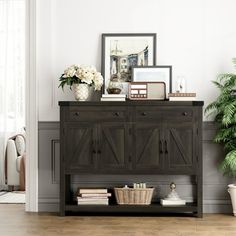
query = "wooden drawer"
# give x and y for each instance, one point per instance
(178, 114)
(146, 113)
(80, 114)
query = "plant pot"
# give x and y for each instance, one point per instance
(232, 192)
(82, 92)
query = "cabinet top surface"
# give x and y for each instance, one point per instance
(132, 102)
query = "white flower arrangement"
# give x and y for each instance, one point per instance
(81, 74)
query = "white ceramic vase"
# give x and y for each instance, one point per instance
(81, 92)
(232, 192)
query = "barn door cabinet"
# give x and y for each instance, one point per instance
(132, 137)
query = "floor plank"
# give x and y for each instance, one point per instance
(15, 221)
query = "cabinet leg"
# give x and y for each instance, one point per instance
(200, 215)
(62, 213)
(199, 196)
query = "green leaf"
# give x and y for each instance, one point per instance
(218, 85)
(228, 166)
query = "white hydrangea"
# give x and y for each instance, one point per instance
(69, 72)
(98, 81)
(85, 74)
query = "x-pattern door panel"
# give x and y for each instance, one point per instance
(79, 146)
(179, 146)
(113, 142)
(148, 146)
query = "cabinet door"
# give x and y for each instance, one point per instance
(147, 147)
(179, 147)
(112, 148)
(80, 150)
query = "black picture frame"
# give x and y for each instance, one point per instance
(151, 60)
(159, 77)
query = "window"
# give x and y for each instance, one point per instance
(12, 65)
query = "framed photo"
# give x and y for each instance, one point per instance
(153, 74)
(120, 52)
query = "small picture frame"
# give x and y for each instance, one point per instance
(154, 74)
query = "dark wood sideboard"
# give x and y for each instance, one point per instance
(132, 137)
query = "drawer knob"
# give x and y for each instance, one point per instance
(185, 113)
(144, 113)
(117, 114)
(76, 114)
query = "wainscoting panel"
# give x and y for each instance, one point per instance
(48, 166)
(216, 197)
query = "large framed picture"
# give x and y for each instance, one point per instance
(120, 52)
(153, 74)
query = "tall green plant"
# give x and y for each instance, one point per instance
(224, 108)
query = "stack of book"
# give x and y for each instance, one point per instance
(93, 197)
(182, 96)
(113, 97)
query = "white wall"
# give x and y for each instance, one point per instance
(196, 37)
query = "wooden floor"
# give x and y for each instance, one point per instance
(14, 221)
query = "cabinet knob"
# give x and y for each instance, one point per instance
(94, 152)
(99, 152)
(185, 113)
(144, 113)
(76, 114)
(117, 114)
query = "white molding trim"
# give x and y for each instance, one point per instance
(31, 110)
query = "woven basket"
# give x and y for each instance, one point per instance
(134, 196)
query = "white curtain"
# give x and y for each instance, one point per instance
(12, 72)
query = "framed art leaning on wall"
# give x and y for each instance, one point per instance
(153, 74)
(120, 52)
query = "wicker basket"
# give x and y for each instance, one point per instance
(134, 196)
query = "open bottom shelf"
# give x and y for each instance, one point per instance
(113, 209)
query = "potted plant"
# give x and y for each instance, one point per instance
(79, 78)
(224, 108)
